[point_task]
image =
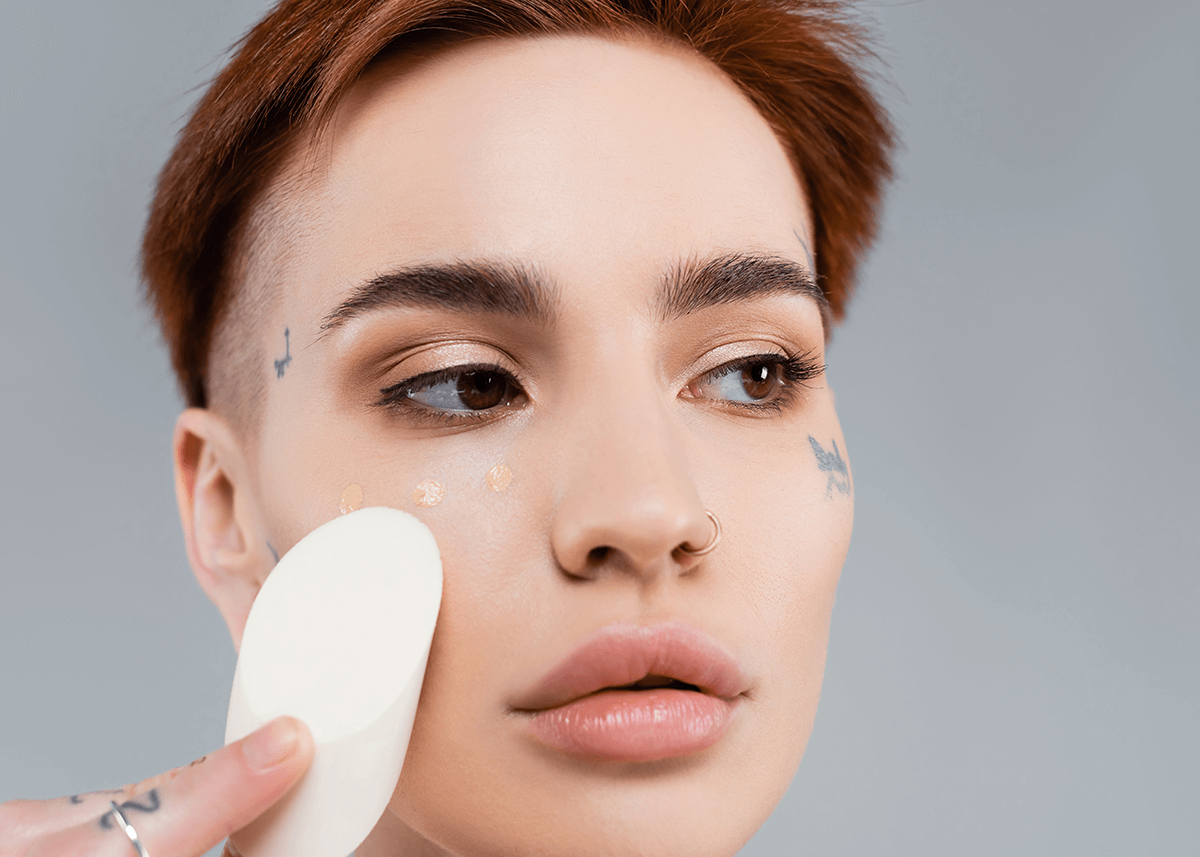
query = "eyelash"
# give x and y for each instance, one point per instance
(798, 369)
(397, 396)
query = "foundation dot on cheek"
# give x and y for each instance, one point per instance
(428, 493)
(499, 477)
(352, 499)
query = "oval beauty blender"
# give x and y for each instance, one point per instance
(339, 636)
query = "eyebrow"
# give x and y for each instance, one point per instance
(467, 287)
(522, 293)
(736, 277)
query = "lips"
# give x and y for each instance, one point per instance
(621, 655)
(630, 693)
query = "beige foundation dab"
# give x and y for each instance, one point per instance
(429, 493)
(499, 477)
(351, 500)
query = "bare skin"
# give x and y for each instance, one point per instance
(602, 168)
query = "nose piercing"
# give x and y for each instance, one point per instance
(712, 543)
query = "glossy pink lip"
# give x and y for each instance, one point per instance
(579, 709)
(624, 653)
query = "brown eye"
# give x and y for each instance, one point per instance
(759, 380)
(479, 391)
(459, 390)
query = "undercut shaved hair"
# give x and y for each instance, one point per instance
(803, 63)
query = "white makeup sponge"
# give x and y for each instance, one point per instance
(339, 637)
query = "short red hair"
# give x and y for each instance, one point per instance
(801, 62)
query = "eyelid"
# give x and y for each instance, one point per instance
(449, 354)
(427, 380)
(723, 355)
(449, 357)
(738, 363)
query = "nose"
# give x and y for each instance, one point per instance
(627, 500)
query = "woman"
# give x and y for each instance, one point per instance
(558, 281)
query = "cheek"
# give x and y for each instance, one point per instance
(310, 464)
(788, 534)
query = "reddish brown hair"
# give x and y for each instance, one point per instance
(801, 62)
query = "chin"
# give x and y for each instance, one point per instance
(704, 805)
(655, 829)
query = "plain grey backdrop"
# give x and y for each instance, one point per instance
(1014, 663)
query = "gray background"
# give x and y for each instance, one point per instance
(1013, 666)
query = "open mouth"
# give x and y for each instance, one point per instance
(664, 659)
(686, 691)
(655, 682)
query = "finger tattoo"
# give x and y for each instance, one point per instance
(150, 804)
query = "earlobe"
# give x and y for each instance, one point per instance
(220, 515)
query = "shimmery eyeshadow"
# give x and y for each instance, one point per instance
(428, 493)
(352, 499)
(499, 477)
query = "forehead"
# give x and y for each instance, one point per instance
(590, 158)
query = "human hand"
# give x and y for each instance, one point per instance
(181, 813)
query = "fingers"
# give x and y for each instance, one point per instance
(23, 821)
(49, 816)
(188, 810)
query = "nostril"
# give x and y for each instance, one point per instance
(598, 555)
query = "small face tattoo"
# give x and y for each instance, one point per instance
(282, 363)
(831, 463)
(807, 252)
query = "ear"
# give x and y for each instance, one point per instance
(223, 526)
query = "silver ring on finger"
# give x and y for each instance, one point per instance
(129, 831)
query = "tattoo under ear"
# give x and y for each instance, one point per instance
(807, 253)
(831, 463)
(152, 804)
(282, 363)
(274, 552)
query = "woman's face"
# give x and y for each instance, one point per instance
(604, 178)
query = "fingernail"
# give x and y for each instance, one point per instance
(271, 745)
